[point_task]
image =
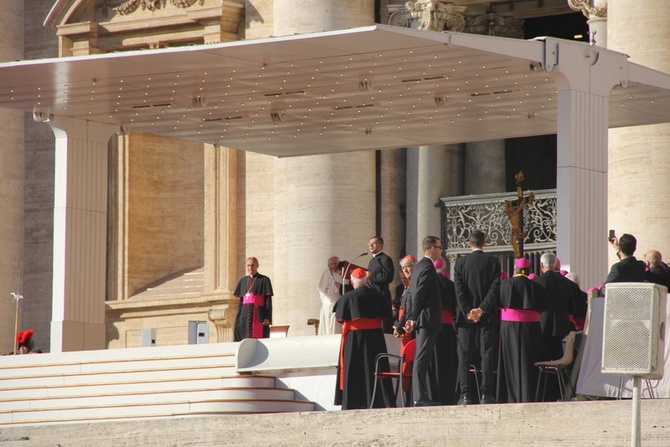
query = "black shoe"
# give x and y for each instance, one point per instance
(487, 399)
(464, 400)
(425, 403)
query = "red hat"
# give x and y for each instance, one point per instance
(408, 258)
(532, 276)
(358, 274)
(522, 263)
(503, 275)
(23, 336)
(438, 263)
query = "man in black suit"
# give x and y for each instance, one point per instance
(477, 278)
(380, 275)
(628, 269)
(563, 295)
(658, 271)
(425, 317)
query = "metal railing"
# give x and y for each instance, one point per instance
(486, 212)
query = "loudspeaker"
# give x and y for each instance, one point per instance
(198, 333)
(148, 337)
(634, 329)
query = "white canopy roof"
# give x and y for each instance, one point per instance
(366, 88)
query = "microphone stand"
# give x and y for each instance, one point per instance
(344, 277)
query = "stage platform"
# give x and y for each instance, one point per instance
(213, 395)
(595, 423)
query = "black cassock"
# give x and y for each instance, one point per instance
(520, 341)
(360, 348)
(249, 319)
(446, 355)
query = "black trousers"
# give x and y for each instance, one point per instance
(424, 354)
(471, 336)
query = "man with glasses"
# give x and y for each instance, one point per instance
(425, 317)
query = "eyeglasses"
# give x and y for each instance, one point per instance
(437, 246)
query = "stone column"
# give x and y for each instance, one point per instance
(325, 206)
(596, 13)
(433, 172)
(80, 234)
(393, 201)
(300, 211)
(485, 160)
(313, 16)
(485, 167)
(639, 161)
(11, 187)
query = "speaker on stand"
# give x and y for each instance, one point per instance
(633, 337)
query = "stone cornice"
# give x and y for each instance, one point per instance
(130, 6)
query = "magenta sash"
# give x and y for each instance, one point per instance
(520, 315)
(256, 325)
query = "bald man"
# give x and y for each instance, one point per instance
(658, 271)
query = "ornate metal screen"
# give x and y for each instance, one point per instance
(486, 212)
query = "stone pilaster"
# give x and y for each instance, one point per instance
(12, 185)
(221, 238)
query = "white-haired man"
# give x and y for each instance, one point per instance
(329, 292)
(361, 312)
(563, 295)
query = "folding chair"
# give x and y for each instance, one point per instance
(404, 371)
(557, 368)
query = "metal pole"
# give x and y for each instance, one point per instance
(635, 438)
(16, 326)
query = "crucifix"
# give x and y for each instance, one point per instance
(514, 212)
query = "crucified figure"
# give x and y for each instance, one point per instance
(514, 212)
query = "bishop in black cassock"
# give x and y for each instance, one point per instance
(254, 314)
(521, 301)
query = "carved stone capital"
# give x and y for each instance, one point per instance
(399, 16)
(223, 317)
(589, 8)
(494, 25)
(437, 15)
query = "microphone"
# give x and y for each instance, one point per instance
(347, 270)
